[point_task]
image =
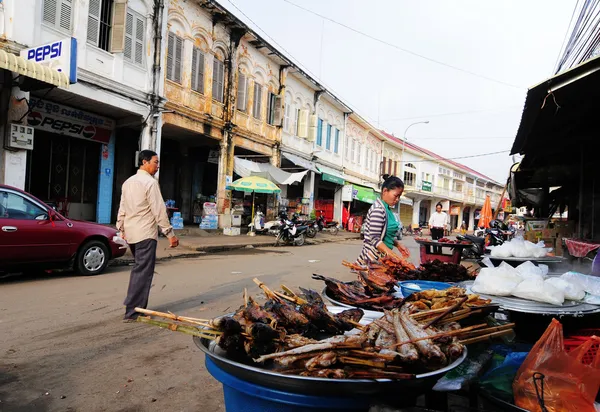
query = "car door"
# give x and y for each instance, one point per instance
(28, 234)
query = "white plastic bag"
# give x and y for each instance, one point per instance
(591, 284)
(495, 282)
(536, 289)
(487, 262)
(571, 290)
(528, 270)
(502, 251)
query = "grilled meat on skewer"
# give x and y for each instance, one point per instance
(432, 355)
(326, 373)
(287, 316)
(407, 352)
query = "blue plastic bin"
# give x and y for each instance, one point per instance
(423, 285)
(242, 396)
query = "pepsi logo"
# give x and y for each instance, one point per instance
(34, 119)
(89, 132)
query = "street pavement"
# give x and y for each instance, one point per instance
(63, 346)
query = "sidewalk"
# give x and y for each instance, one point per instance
(194, 246)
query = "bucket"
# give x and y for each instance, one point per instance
(243, 396)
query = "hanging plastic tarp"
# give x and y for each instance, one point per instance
(246, 168)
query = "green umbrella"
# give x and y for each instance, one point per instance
(254, 184)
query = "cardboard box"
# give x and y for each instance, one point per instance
(534, 236)
(231, 231)
(536, 224)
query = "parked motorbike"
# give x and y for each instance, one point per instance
(311, 232)
(289, 233)
(414, 230)
(477, 250)
(495, 235)
(258, 226)
(323, 224)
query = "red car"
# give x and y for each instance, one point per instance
(35, 235)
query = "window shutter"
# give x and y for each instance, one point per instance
(140, 32)
(287, 112)
(177, 59)
(93, 27)
(383, 165)
(389, 169)
(319, 132)
(242, 92)
(128, 49)
(303, 123)
(170, 57)
(312, 127)
(218, 75)
(198, 70)
(347, 147)
(396, 168)
(336, 146)
(328, 142)
(117, 33)
(257, 104)
(277, 111)
(66, 15)
(49, 12)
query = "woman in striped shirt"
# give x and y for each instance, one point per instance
(382, 224)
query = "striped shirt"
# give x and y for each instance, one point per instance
(375, 229)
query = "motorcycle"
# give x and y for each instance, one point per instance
(477, 250)
(323, 224)
(414, 230)
(311, 232)
(495, 235)
(289, 233)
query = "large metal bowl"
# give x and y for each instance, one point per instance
(320, 386)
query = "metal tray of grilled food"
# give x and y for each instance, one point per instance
(320, 386)
(369, 314)
(515, 304)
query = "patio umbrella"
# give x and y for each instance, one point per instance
(254, 184)
(486, 213)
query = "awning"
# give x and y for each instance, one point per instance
(364, 194)
(361, 182)
(406, 201)
(29, 68)
(246, 168)
(331, 175)
(298, 161)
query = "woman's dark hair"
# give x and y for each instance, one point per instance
(146, 155)
(440, 205)
(391, 182)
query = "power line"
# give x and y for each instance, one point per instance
(463, 138)
(455, 158)
(449, 114)
(565, 38)
(403, 49)
(292, 56)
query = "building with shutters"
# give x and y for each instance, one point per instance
(86, 135)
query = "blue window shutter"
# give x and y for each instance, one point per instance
(336, 145)
(328, 144)
(320, 133)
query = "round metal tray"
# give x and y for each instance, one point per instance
(569, 308)
(369, 314)
(320, 386)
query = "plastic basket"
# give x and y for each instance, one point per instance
(581, 336)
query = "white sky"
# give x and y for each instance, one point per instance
(515, 42)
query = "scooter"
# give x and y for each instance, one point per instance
(477, 250)
(290, 233)
(258, 226)
(311, 232)
(323, 224)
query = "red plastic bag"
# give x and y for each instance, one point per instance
(555, 378)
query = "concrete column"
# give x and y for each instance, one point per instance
(416, 211)
(105, 181)
(308, 193)
(337, 206)
(472, 218)
(185, 185)
(224, 195)
(13, 163)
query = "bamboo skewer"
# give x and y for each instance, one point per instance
(172, 316)
(485, 331)
(268, 292)
(439, 335)
(463, 316)
(288, 292)
(446, 312)
(486, 337)
(189, 330)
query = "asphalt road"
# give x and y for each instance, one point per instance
(63, 346)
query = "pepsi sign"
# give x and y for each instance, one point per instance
(59, 55)
(57, 118)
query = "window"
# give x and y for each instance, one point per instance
(368, 159)
(328, 141)
(174, 57)
(458, 175)
(242, 93)
(274, 109)
(389, 166)
(257, 103)
(13, 206)
(446, 183)
(135, 32)
(409, 178)
(374, 163)
(359, 153)
(99, 23)
(197, 70)
(296, 125)
(336, 142)
(457, 186)
(218, 80)
(396, 168)
(353, 152)
(383, 165)
(320, 132)
(347, 147)
(58, 13)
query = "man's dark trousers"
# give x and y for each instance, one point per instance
(140, 281)
(437, 234)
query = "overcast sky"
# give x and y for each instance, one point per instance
(511, 41)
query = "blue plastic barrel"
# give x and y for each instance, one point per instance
(242, 396)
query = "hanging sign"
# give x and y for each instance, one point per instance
(426, 186)
(59, 55)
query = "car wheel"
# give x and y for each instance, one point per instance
(92, 258)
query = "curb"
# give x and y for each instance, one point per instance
(203, 250)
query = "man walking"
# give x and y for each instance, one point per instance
(437, 224)
(142, 210)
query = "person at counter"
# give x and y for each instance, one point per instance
(382, 225)
(437, 224)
